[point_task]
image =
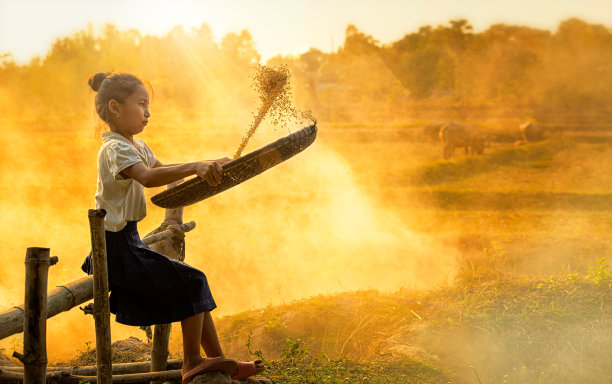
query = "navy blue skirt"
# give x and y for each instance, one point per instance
(147, 287)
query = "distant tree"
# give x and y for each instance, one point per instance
(576, 76)
(567, 72)
(311, 62)
(427, 61)
(358, 43)
(578, 33)
(240, 49)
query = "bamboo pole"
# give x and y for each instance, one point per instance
(59, 299)
(90, 370)
(173, 215)
(65, 377)
(161, 333)
(101, 304)
(37, 263)
(69, 295)
(68, 378)
(159, 354)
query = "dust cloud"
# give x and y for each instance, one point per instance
(341, 215)
(302, 228)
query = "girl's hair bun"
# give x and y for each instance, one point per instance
(96, 80)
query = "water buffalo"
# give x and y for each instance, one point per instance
(530, 132)
(431, 133)
(453, 135)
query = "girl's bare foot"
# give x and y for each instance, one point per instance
(190, 364)
(198, 366)
(248, 368)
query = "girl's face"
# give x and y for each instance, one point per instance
(134, 112)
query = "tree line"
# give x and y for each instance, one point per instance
(565, 72)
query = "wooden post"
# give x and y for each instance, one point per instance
(159, 354)
(161, 333)
(37, 263)
(101, 304)
(173, 215)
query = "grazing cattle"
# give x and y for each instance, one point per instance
(530, 132)
(431, 133)
(453, 135)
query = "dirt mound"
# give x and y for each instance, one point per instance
(7, 361)
(128, 350)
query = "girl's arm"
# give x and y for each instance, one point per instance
(221, 161)
(160, 174)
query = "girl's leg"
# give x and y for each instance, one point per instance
(192, 333)
(209, 338)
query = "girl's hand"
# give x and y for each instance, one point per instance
(211, 171)
(223, 160)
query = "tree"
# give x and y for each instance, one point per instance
(358, 43)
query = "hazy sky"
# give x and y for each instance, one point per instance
(28, 27)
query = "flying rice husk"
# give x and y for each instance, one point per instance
(274, 91)
(272, 85)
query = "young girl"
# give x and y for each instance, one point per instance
(146, 287)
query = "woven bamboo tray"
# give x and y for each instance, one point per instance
(237, 171)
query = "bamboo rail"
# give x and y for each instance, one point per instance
(59, 299)
(101, 303)
(68, 378)
(90, 370)
(167, 234)
(69, 295)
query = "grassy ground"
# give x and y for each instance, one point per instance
(531, 302)
(298, 365)
(489, 328)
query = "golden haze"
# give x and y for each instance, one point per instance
(324, 221)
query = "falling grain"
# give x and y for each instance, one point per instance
(274, 91)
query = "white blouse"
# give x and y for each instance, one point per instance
(122, 198)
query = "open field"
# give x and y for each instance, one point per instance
(494, 261)
(485, 329)
(499, 329)
(542, 208)
(531, 298)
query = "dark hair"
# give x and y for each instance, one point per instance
(109, 86)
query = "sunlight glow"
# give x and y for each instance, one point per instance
(27, 28)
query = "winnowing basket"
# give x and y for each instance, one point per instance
(237, 171)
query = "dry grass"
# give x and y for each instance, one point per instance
(553, 330)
